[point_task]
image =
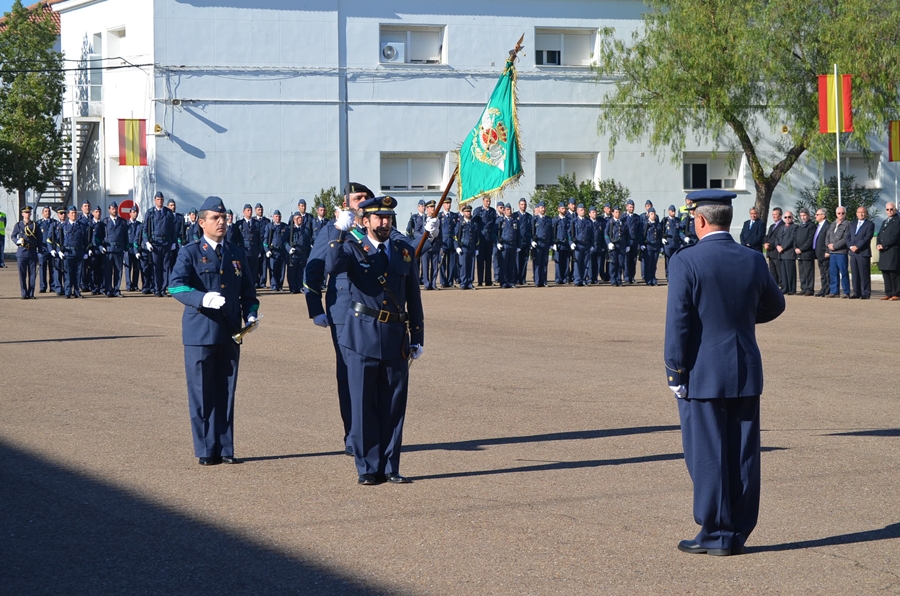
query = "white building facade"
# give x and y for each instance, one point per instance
(269, 101)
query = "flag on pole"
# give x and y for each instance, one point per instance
(490, 157)
(832, 106)
(894, 140)
(132, 142)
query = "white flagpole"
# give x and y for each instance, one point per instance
(837, 131)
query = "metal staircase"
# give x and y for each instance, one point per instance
(60, 192)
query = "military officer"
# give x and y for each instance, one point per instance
(307, 218)
(770, 241)
(431, 258)
(507, 246)
(134, 264)
(562, 243)
(299, 244)
(232, 231)
(28, 239)
(449, 262)
(45, 259)
(672, 235)
(2, 238)
(416, 220)
(601, 241)
(384, 327)
(177, 243)
(598, 246)
(465, 238)
(524, 219)
(251, 234)
(487, 230)
(160, 234)
(262, 260)
(320, 221)
(617, 242)
(75, 238)
(495, 250)
(114, 246)
(650, 247)
(582, 242)
(718, 292)
(633, 223)
(688, 231)
(274, 245)
(541, 239)
(210, 279)
(192, 231)
(54, 245)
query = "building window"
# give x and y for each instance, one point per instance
(411, 45)
(549, 167)
(95, 63)
(702, 170)
(411, 172)
(563, 47)
(867, 174)
(114, 45)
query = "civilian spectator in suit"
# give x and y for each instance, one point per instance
(769, 243)
(889, 253)
(787, 258)
(859, 243)
(754, 231)
(803, 242)
(836, 241)
(820, 248)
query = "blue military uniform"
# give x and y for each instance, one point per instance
(55, 243)
(299, 245)
(449, 265)
(673, 236)
(211, 356)
(487, 230)
(115, 246)
(29, 241)
(651, 244)
(431, 258)
(598, 248)
(251, 234)
(718, 292)
(161, 231)
(75, 239)
(465, 239)
(94, 266)
(263, 263)
(616, 234)
(45, 259)
(542, 238)
(524, 221)
(233, 232)
(384, 319)
(507, 250)
(583, 239)
(635, 229)
(275, 240)
(562, 243)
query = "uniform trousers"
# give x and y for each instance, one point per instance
(483, 262)
(522, 265)
(540, 259)
(340, 371)
(581, 258)
(159, 258)
(94, 272)
(891, 283)
(824, 275)
(73, 275)
(496, 262)
(507, 260)
(253, 262)
(721, 442)
(276, 269)
(595, 261)
(788, 275)
(378, 392)
(617, 266)
(112, 273)
(631, 263)
(45, 270)
(649, 264)
(449, 267)
(807, 276)
(147, 271)
(132, 270)
(296, 267)
(837, 271)
(562, 258)
(171, 259)
(27, 271)
(861, 272)
(431, 263)
(211, 382)
(466, 268)
(58, 275)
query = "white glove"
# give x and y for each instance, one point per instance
(680, 391)
(250, 320)
(499, 246)
(213, 300)
(611, 246)
(292, 251)
(476, 253)
(53, 253)
(84, 258)
(518, 250)
(137, 252)
(627, 248)
(643, 247)
(665, 240)
(90, 253)
(268, 253)
(20, 242)
(431, 225)
(148, 246)
(103, 249)
(572, 246)
(553, 248)
(321, 320)
(415, 351)
(174, 245)
(344, 221)
(533, 244)
(458, 250)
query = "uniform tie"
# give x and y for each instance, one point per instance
(383, 255)
(219, 253)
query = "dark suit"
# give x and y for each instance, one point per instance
(889, 255)
(771, 238)
(861, 260)
(820, 248)
(752, 235)
(211, 357)
(718, 292)
(806, 259)
(787, 258)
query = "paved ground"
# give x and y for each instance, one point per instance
(543, 443)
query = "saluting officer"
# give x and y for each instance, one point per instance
(210, 279)
(113, 248)
(617, 241)
(718, 292)
(562, 243)
(384, 327)
(275, 240)
(76, 235)
(160, 235)
(541, 239)
(465, 238)
(582, 242)
(299, 244)
(29, 240)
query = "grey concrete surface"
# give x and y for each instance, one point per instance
(541, 438)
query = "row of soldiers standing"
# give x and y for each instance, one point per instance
(588, 246)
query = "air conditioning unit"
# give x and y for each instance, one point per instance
(393, 52)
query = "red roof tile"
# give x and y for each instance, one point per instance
(45, 6)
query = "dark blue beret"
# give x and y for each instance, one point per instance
(213, 204)
(710, 196)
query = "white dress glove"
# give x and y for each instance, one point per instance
(321, 320)
(572, 246)
(148, 246)
(293, 250)
(415, 351)
(680, 391)
(213, 300)
(518, 250)
(665, 240)
(103, 249)
(344, 221)
(431, 225)
(250, 320)
(174, 245)
(553, 248)
(20, 242)
(533, 244)
(90, 252)
(611, 246)
(643, 247)
(458, 250)
(137, 252)
(499, 246)
(268, 254)
(627, 249)
(53, 253)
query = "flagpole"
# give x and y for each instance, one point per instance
(837, 131)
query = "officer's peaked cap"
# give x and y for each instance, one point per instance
(213, 204)
(353, 187)
(710, 196)
(431, 203)
(378, 205)
(26, 209)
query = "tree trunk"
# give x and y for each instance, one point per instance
(18, 213)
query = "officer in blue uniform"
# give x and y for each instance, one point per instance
(673, 235)
(45, 259)
(274, 244)
(449, 263)
(651, 244)
(319, 221)
(160, 236)
(635, 227)
(524, 221)
(617, 242)
(28, 239)
(487, 230)
(132, 258)
(210, 279)
(115, 244)
(232, 231)
(583, 241)
(431, 258)
(299, 244)
(54, 245)
(718, 292)
(75, 238)
(562, 243)
(541, 239)
(598, 247)
(601, 241)
(95, 254)
(263, 260)
(178, 242)
(465, 239)
(507, 246)
(192, 231)
(383, 328)
(251, 234)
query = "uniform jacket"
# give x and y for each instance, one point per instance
(524, 220)
(300, 238)
(821, 246)
(752, 236)
(862, 239)
(135, 234)
(889, 239)
(688, 233)
(31, 235)
(448, 220)
(487, 223)
(583, 233)
(197, 271)
(616, 232)
(98, 235)
(804, 240)
(508, 232)
(316, 224)
(369, 275)
(416, 224)
(542, 230)
(276, 237)
(76, 236)
(599, 238)
(192, 232)
(251, 235)
(160, 227)
(673, 233)
(562, 233)
(47, 226)
(635, 227)
(837, 235)
(718, 292)
(233, 234)
(116, 230)
(465, 236)
(652, 236)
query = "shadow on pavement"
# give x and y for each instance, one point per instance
(879, 432)
(65, 533)
(63, 339)
(886, 533)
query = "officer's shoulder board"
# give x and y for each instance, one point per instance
(682, 247)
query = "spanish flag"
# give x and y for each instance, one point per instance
(894, 140)
(832, 105)
(132, 142)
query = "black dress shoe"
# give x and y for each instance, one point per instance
(210, 461)
(230, 459)
(854, 297)
(397, 478)
(368, 480)
(691, 546)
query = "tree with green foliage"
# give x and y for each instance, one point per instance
(31, 97)
(734, 73)
(330, 198)
(587, 192)
(853, 196)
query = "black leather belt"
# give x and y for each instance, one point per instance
(383, 316)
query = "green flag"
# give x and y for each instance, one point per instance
(489, 158)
